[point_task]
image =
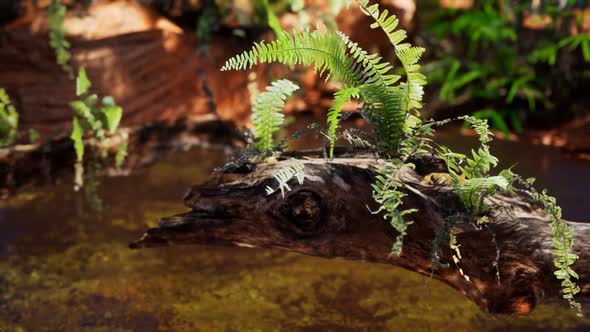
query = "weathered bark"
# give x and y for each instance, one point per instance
(26, 165)
(327, 216)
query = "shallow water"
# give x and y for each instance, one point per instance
(66, 268)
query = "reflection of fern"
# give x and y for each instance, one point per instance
(285, 174)
(267, 114)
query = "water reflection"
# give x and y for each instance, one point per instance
(66, 268)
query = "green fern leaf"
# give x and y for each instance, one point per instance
(340, 98)
(293, 170)
(267, 114)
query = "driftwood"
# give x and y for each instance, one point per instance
(327, 216)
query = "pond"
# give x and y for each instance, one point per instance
(66, 268)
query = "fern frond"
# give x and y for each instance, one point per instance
(415, 81)
(473, 191)
(387, 23)
(325, 50)
(480, 164)
(389, 197)
(340, 98)
(385, 110)
(285, 174)
(481, 127)
(368, 68)
(356, 140)
(267, 114)
(405, 52)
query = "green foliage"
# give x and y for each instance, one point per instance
(392, 105)
(208, 22)
(563, 243)
(8, 120)
(340, 98)
(387, 194)
(267, 116)
(92, 117)
(57, 35)
(266, 15)
(483, 55)
(385, 103)
(285, 174)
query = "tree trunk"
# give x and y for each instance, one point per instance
(508, 262)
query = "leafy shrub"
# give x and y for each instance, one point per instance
(485, 53)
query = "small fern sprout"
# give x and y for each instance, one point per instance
(267, 115)
(340, 98)
(285, 174)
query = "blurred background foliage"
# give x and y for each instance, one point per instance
(523, 65)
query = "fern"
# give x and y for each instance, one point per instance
(340, 98)
(57, 35)
(90, 117)
(385, 104)
(393, 108)
(8, 120)
(563, 243)
(267, 114)
(406, 53)
(473, 191)
(284, 175)
(389, 198)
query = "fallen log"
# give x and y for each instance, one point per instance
(22, 166)
(509, 263)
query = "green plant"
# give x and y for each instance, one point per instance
(483, 53)
(57, 35)
(8, 120)
(93, 117)
(563, 242)
(285, 174)
(392, 106)
(265, 15)
(267, 116)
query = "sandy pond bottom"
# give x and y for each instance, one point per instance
(66, 268)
